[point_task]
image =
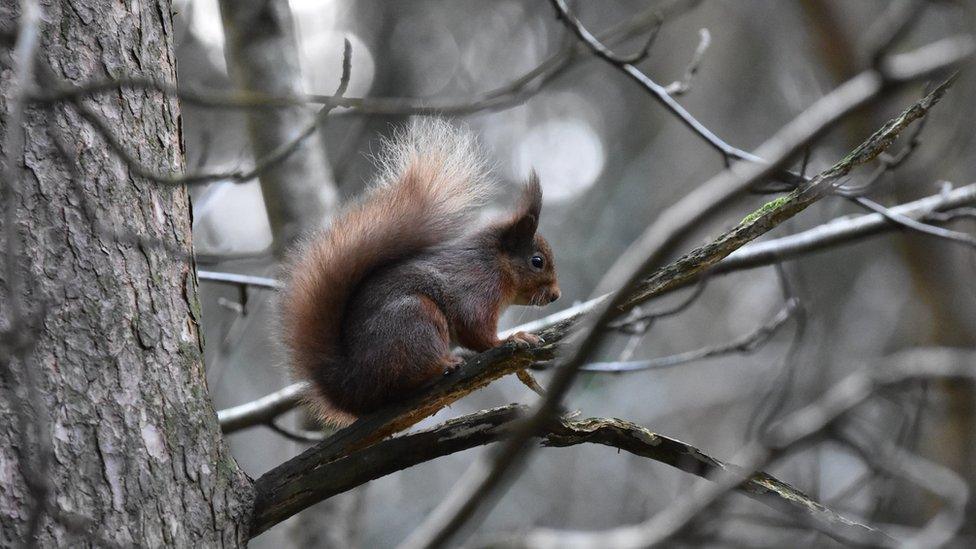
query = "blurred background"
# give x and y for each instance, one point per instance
(610, 160)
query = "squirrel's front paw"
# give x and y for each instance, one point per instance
(524, 339)
(452, 363)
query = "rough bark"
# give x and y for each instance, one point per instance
(135, 447)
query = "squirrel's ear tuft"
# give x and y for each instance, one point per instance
(530, 203)
(522, 227)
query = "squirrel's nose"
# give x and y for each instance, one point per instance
(553, 295)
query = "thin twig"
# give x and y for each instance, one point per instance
(951, 215)
(529, 381)
(659, 92)
(262, 410)
(915, 225)
(638, 322)
(236, 279)
(297, 435)
(642, 53)
(681, 87)
(509, 95)
(747, 343)
(261, 165)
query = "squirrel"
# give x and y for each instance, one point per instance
(373, 304)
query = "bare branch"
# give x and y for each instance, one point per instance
(642, 53)
(507, 96)
(268, 162)
(319, 473)
(240, 280)
(316, 475)
(915, 225)
(681, 87)
(746, 344)
(658, 92)
(845, 230)
(800, 426)
(952, 215)
(262, 410)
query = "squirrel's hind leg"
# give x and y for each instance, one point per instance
(395, 346)
(407, 344)
(439, 346)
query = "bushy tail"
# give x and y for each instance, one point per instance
(433, 177)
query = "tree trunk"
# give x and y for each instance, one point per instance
(262, 56)
(135, 453)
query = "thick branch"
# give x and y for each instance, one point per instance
(312, 477)
(845, 230)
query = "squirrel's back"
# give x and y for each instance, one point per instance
(433, 178)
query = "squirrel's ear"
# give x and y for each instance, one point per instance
(522, 227)
(530, 203)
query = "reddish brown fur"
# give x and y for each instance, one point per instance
(374, 303)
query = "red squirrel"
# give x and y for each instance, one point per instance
(374, 303)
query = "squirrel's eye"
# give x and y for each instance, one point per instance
(538, 262)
